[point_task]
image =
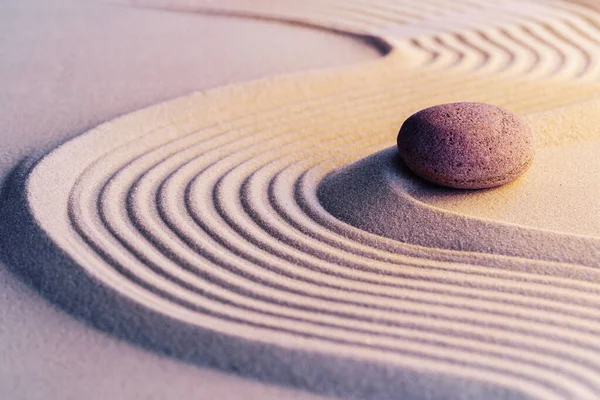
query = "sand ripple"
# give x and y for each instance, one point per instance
(211, 227)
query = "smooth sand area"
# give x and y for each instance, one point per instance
(556, 194)
(559, 192)
(268, 230)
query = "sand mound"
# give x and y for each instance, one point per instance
(205, 228)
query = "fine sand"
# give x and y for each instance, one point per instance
(269, 230)
(68, 66)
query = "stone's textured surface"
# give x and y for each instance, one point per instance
(466, 145)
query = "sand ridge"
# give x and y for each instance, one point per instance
(198, 223)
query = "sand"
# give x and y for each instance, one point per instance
(45, 353)
(268, 229)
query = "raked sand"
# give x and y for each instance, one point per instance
(268, 229)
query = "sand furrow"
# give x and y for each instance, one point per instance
(267, 228)
(147, 261)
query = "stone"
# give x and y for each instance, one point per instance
(466, 145)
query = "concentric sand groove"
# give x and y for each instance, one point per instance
(228, 227)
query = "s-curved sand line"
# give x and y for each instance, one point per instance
(264, 228)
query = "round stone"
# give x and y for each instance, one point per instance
(466, 145)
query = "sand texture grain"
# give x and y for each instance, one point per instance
(268, 228)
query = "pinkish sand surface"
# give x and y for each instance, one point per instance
(70, 65)
(267, 229)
